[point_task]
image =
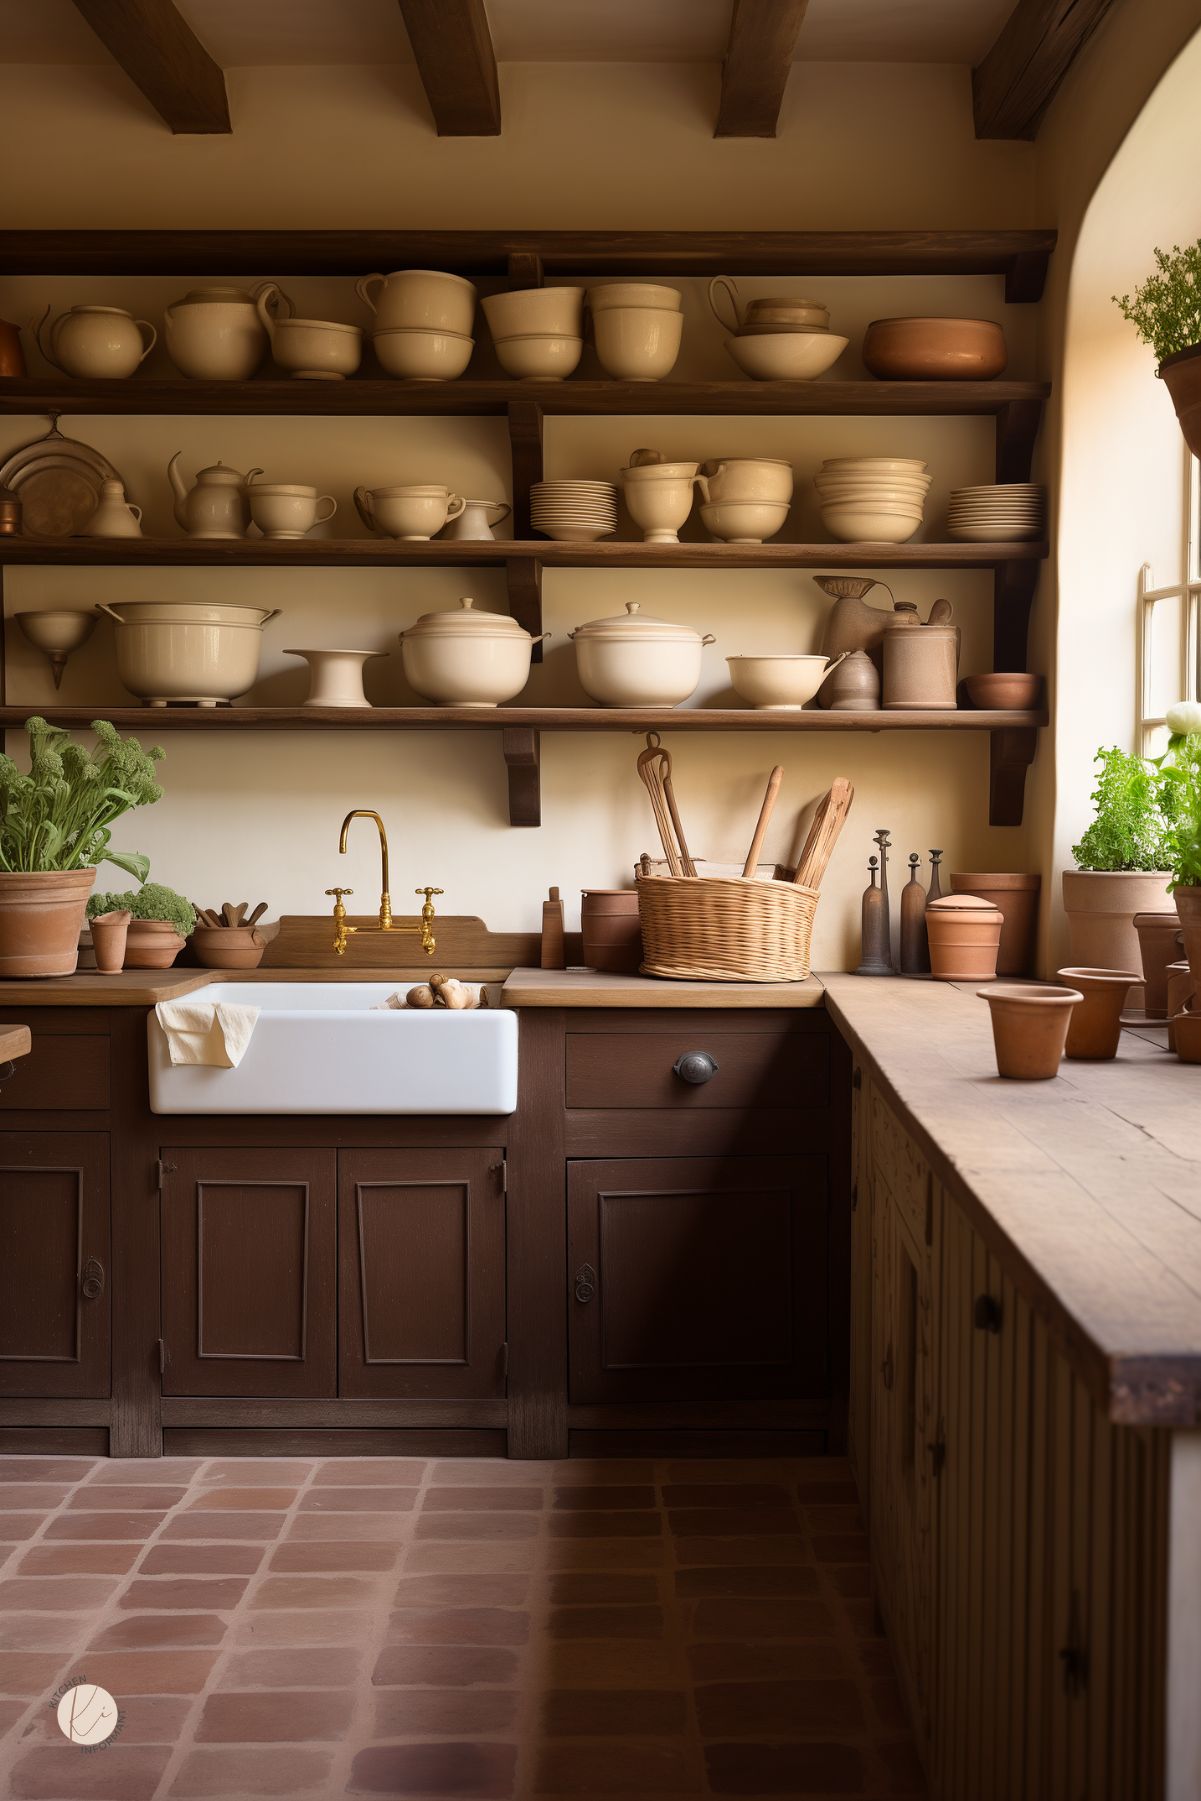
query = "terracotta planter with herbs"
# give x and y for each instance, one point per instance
(41, 917)
(1166, 313)
(1182, 378)
(1029, 1027)
(152, 944)
(1101, 904)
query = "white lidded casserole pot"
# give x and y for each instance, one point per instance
(187, 650)
(635, 661)
(462, 658)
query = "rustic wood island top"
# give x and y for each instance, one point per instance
(1088, 1185)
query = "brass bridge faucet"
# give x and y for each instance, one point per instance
(423, 925)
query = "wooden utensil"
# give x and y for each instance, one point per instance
(765, 813)
(257, 914)
(828, 822)
(654, 767)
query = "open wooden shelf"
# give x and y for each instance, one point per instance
(274, 553)
(367, 397)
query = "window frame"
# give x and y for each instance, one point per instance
(1187, 590)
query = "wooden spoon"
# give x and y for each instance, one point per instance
(765, 813)
(828, 822)
(257, 914)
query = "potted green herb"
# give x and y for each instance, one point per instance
(55, 826)
(160, 920)
(1181, 769)
(1166, 313)
(1122, 860)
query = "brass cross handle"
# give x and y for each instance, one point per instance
(428, 941)
(342, 931)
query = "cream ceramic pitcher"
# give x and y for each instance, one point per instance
(217, 505)
(95, 343)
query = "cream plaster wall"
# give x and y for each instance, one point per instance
(583, 146)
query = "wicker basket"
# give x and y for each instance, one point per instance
(724, 929)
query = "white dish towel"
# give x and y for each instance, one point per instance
(214, 1033)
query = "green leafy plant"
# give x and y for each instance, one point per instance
(152, 901)
(60, 815)
(1180, 770)
(1133, 818)
(1166, 309)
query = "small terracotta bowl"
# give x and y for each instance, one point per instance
(1029, 1027)
(1005, 692)
(934, 349)
(152, 944)
(228, 947)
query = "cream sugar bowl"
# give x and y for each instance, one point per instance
(95, 343)
(288, 509)
(215, 334)
(410, 511)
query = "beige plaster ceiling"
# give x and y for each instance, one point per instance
(239, 33)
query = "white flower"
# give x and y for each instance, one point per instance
(1184, 717)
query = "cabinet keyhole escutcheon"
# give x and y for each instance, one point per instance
(585, 1284)
(91, 1279)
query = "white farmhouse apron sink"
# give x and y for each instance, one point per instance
(319, 1047)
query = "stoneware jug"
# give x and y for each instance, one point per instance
(115, 517)
(95, 343)
(921, 662)
(217, 505)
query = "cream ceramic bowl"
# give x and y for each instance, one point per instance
(316, 349)
(783, 682)
(633, 293)
(786, 355)
(746, 478)
(634, 661)
(637, 343)
(416, 354)
(659, 508)
(554, 312)
(187, 650)
(640, 472)
(282, 511)
(463, 658)
(869, 524)
(423, 299)
(539, 356)
(841, 492)
(878, 465)
(408, 511)
(744, 521)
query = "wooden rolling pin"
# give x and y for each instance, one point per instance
(765, 813)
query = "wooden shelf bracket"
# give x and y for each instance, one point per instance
(1010, 754)
(523, 579)
(522, 748)
(525, 445)
(1014, 586)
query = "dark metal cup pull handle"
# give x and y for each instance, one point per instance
(986, 1314)
(585, 1283)
(91, 1280)
(7, 1072)
(695, 1067)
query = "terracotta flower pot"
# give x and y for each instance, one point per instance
(41, 917)
(228, 947)
(1101, 905)
(152, 944)
(1188, 1037)
(1029, 1027)
(1159, 943)
(1182, 378)
(1182, 997)
(1016, 899)
(109, 931)
(1096, 1025)
(964, 934)
(1188, 906)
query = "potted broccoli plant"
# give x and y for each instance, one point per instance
(1166, 313)
(1123, 862)
(160, 920)
(55, 826)
(1181, 771)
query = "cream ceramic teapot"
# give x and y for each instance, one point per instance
(217, 505)
(215, 334)
(95, 343)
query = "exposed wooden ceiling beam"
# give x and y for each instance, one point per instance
(457, 65)
(763, 36)
(163, 57)
(1018, 79)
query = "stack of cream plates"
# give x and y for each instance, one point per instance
(578, 512)
(997, 514)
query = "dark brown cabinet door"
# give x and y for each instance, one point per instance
(248, 1244)
(422, 1273)
(696, 1278)
(54, 1257)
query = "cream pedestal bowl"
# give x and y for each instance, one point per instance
(336, 676)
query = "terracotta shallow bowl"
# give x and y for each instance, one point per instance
(1016, 692)
(929, 349)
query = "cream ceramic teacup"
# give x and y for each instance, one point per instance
(286, 510)
(411, 511)
(660, 506)
(633, 293)
(554, 312)
(746, 478)
(419, 299)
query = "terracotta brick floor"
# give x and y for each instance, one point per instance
(386, 1626)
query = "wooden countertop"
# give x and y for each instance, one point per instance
(1089, 1186)
(591, 988)
(131, 988)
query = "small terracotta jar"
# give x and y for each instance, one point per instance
(151, 944)
(965, 935)
(109, 932)
(1029, 1027)
(1096, 1024)
(1016, 896)
(1160, 942)
(611, 930)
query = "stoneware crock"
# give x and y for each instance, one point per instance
(1160, 943)
(611, 931)
(1016, 898)
(965, 936)
(1096, 1024)
(1029, 1027)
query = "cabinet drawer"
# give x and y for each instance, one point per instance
(62, 1074)
(784, 1068)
